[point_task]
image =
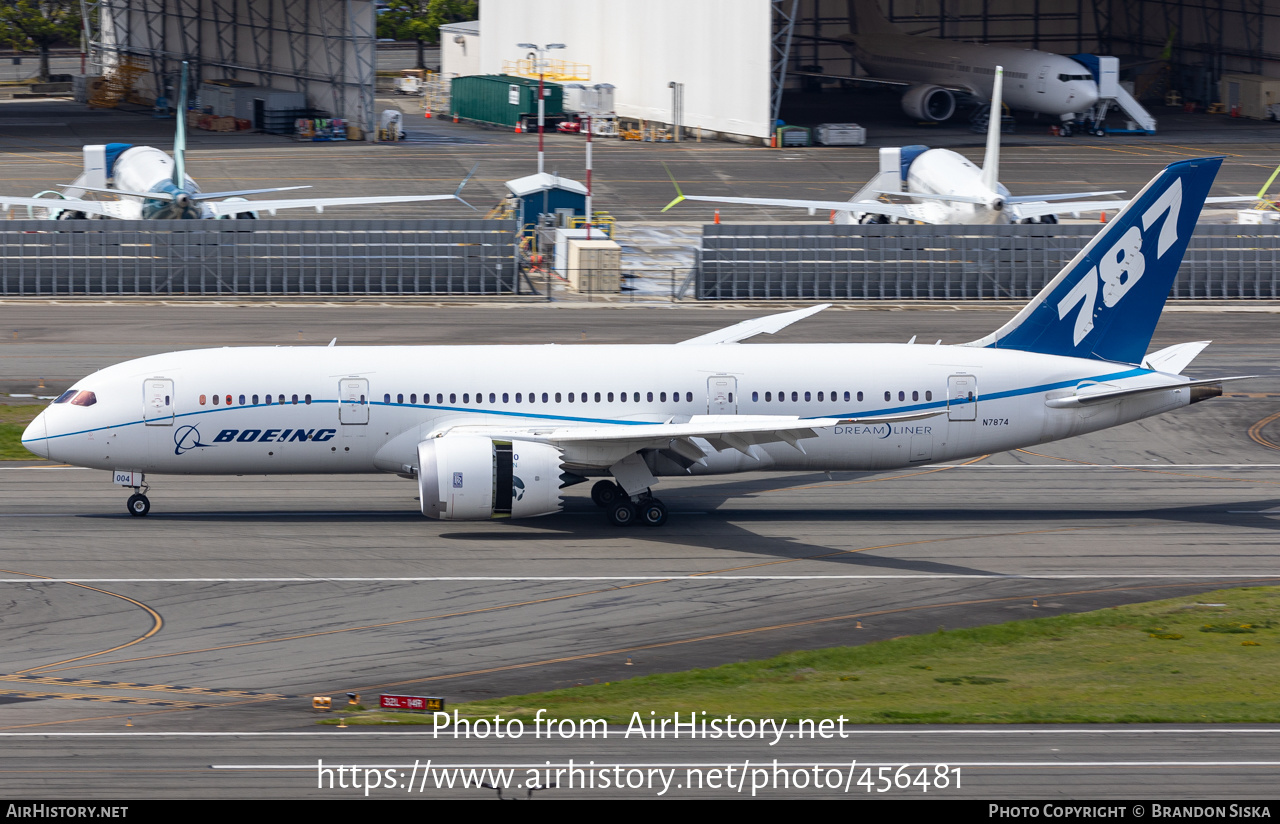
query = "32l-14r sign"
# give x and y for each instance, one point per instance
(412, 703)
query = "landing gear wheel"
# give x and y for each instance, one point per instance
(1065, 130)
(139, 505)
(653, 512)
(605, 493)
(622, 513)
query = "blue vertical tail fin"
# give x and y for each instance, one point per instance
(1106, 302)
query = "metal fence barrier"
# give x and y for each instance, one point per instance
(909, 262)
(250, 257)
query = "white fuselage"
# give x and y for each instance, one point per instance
(1034, 80)
(411, 392)
(943, 172)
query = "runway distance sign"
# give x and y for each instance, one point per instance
(412, 703)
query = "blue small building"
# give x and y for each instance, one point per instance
(548, 194)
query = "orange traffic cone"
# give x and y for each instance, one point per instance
(1102, 218)
(428, 113)
(717, 216)
(455, 118)
(517, 127)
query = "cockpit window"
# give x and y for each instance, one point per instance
(1065, 78)
(66, 396)
(84, 398)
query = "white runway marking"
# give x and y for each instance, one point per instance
(691, 576)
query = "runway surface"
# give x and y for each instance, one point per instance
(239, 598)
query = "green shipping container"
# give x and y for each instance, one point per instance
(502, 99)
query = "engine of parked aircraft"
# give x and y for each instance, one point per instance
(473, 478)
(925, 102)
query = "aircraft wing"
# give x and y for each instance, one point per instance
(104, 208)
(602, 445)
(1040, 208)
(223, 207)
(872, 206)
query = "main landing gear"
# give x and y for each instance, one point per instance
(622, 511)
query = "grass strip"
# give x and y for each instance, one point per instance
(13, 420)
(1209, 658)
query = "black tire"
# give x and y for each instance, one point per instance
(605, 493)
(622, 513)
(139, 505)
(653, 512)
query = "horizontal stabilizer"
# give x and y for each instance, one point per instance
(1102, 393)
(767, 325)
(243, 192)
(1173, 359)
(223, 207)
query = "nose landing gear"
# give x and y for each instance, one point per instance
(138, 504)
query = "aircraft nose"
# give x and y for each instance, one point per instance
(34, 437)
(1087, 94)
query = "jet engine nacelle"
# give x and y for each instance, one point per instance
(929, 103)
(474, 478)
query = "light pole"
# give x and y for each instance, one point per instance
(540, 64)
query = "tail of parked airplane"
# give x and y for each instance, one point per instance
(991, 160)
(1106, 302)
(180, 134)
(865, 17)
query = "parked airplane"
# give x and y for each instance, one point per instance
(499, 431)
(935, 70)
(151, 185)
(947, 187)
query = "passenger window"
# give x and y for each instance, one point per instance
(268, 400)
(557, 397)
(282, 399)
(517, 397)
(466, 397)
(400, 398)
(730, 397)
(598, 397)
(768, 396)
(662, 397)
(413, 398)
(68, 395)
(570, 397)
(439, 397)
(819, 396)
(241, 400)
(846, 396)
(902, 396)
(915, 396)
(202, 400)
(84, 398)
(228, 400)
(649, 396)
(506, 398)
(295, 400)
(755, 396)
(806, 397)
(386, 398)
(688, 397)
(610, 397)
(76, 399)
(544, 397)
(307, 399)
(887, 396)
(493, 398)
(928, 395)
(795, 396)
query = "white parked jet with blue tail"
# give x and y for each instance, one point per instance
(499, 431)
(151, 185)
